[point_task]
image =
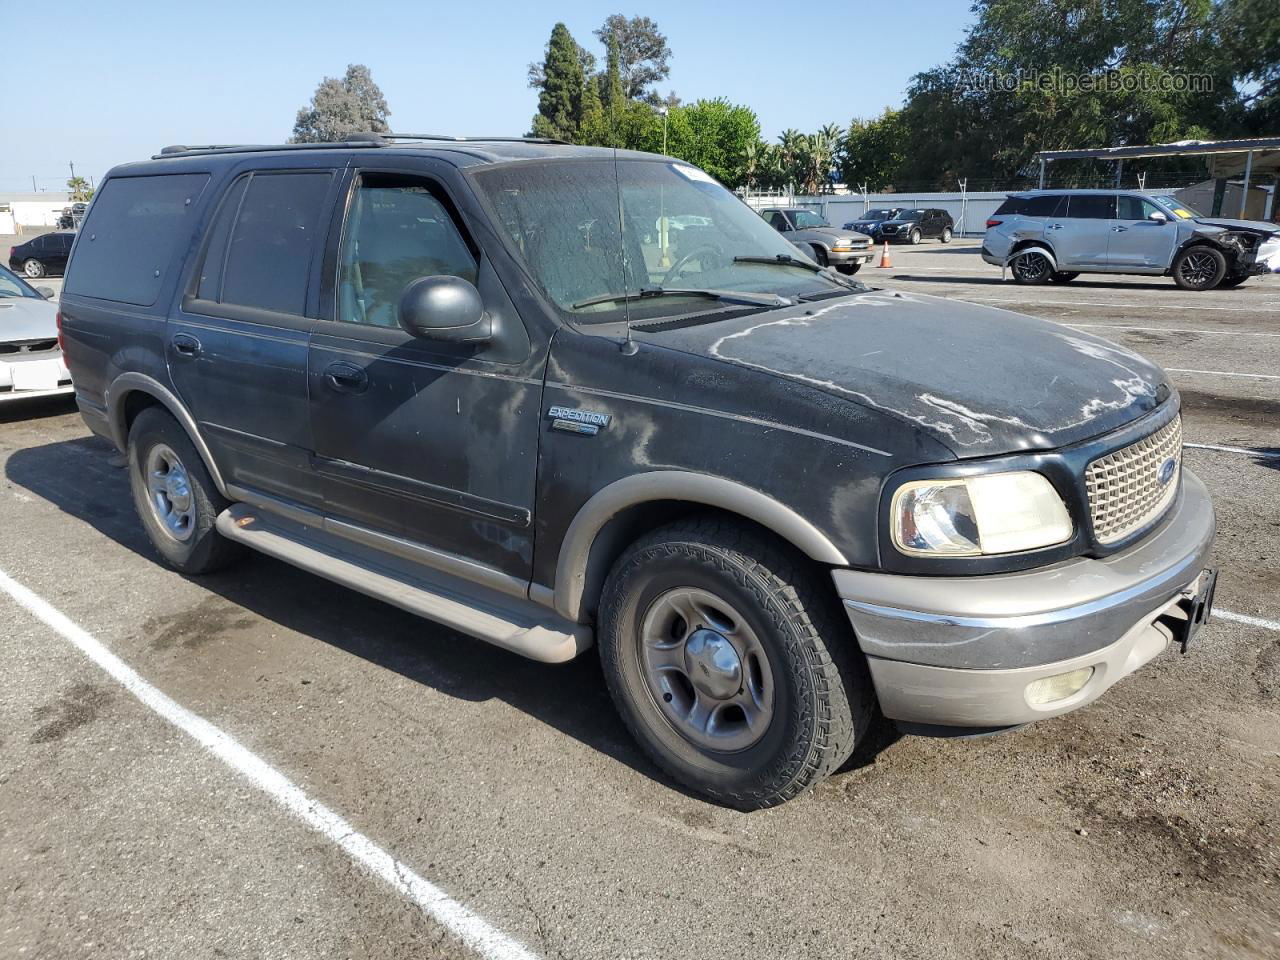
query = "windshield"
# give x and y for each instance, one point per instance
(588, 229)
(879, 215)
(1179, 209)
(909, 215)
(803, 219)
(13, 286)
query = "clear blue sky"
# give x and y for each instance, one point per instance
(132, 77)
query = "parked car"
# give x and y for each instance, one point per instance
(846, 250)
(31, 363)
(42, 256)
(1056, 235)
(777, 500)
(912, 226)
(870, 221)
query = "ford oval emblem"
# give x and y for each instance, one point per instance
(1166, 471)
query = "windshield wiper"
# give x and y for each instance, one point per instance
(786, 260)
(726, 296)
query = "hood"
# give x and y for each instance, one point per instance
(981, 381)
(25, 318)
(1261, 226)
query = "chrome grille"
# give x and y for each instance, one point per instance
(1125, 492)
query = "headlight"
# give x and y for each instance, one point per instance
(970, 516)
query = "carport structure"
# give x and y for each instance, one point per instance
(1255, 159)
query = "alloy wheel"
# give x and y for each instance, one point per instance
(169, 492)
(1198, 269)
(1030, 267)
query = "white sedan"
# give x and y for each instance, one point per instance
(31, 363)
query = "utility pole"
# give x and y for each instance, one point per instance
(33, 184)
(73, 169)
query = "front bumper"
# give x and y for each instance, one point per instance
(27, 376)
(961, 651)
(858, 255)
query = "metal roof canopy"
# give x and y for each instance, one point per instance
(1226, 158)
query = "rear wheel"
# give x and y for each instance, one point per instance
(1063, 276)
(33, 268)
(174, 495)
(1199, 268)
(732, 672)
(1031, 267)
(946, 234)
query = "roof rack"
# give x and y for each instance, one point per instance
(352, 140)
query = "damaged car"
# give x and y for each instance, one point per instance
(1045, 236)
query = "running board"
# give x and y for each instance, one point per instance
(513, 623)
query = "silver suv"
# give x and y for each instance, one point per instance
(1055, 235)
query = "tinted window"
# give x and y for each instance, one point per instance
(1090, 206)
(269, 255)
(1042, 206)
(130, 236)
(1012, 206)
(1135, 208)
(209, 286)
(777, 220)
(396, 233)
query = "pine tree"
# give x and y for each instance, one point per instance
(592, 127)
(613, 93)
(560, 102)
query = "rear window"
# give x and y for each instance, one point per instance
(262, 242)
(127, 243)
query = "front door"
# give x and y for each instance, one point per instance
(237, 345)
(1137, 242)
(1080, 236)
(432, 442)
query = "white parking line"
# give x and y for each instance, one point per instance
(1034, 301)
(472, 929)
(1246, 619)
(1130, 326)
(1260, 454)
(1224, 373)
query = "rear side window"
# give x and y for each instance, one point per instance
(262, 242)
(1044, 206)
(1013, 205)
(1091, 206)
(129, 238)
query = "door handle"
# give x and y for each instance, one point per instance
(346, 378)
(1055, 226)
(1119, 229)
(185, 345)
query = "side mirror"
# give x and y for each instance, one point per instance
(46, 292)
(444, 308)
(1158, 217)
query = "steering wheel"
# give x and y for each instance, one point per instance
(697, 253)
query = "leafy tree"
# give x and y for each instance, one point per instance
(716, 135)
(643, 54)
(613, 94)
(593, 126)
(560, 102)
(340, 108)
(871, 151)
(81, 192)
(1248, 32)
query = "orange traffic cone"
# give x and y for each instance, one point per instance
(884, 256)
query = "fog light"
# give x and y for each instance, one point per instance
(1058, 687)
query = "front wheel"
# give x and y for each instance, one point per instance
(731, 670)
(850, 268)
(819, 255)
(174, 495)
(1032, 267)
(33, 268)
(1199, 268)
(915, 237)
(946, 234)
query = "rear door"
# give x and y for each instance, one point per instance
(1080, 237)
(237, 344)
(433, 442)
(1137, 242)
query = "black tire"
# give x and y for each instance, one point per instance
(914, 239)
(850, 269)
(821, 701)
(1200, 267)
(33, 269)
(1063, 276)
(1232, 280)
(819, 255)
(946, 235)
(202, 549)
(1031, 267)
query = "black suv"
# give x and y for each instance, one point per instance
(492, 383)
(41, 256)
(912, 226)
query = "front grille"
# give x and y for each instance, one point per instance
(29, 346)
(1124, 487)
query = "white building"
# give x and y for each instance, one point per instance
(31, 212)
